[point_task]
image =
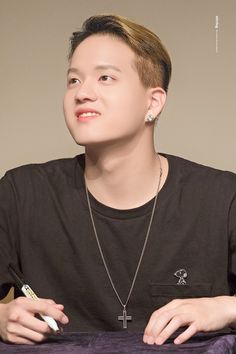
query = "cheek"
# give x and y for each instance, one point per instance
(121, 101)
(67, 105)
(128, 105)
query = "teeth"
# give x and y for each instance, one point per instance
(88, 114)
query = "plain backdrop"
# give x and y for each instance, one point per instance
(199, 120)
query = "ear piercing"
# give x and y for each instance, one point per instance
(149, 117)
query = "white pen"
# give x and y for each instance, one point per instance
(28, 292)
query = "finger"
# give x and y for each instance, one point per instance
(168, 307)
(180, 318)
(156, 325)
(24, 341)
(168, 311)
(27, 320)
(43, 308)
(18, 340)
(59, 307)
(18, 333)
(52, 302)
(25, 302)
(172, 326)
(187, 334)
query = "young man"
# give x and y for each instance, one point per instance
(118, 237)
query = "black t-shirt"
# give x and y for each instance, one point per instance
(46, 230)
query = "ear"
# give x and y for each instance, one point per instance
(157, 99)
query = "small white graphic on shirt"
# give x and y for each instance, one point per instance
(182, 275)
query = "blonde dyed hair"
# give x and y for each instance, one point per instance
(152, 60)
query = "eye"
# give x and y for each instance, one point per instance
(72, 81)
(105, 78)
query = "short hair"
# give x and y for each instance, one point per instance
(152, 60)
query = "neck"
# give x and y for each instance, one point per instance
(123, 177)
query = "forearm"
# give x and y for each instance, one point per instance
(229, 303)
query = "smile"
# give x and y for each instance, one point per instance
(82, 117)
(88, 114)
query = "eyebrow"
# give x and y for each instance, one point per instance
(108, 66)
(98, 67)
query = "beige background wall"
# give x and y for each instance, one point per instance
(199, 121)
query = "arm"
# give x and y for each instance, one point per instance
(18, 323)
(197, 314)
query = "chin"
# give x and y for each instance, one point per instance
(88, 139)
(96, 140)
(93, 143)
(87, 142)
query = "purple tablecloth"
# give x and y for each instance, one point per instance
(123, 343)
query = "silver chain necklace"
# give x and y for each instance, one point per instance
(125, 317)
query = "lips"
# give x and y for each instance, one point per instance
(86, 114)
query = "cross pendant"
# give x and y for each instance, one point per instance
(125, 318)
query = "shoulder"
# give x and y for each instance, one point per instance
(55, 171)
(204, 178)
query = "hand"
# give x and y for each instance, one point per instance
(201, 314)
(19, 325)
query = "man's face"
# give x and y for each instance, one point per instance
(105, 101)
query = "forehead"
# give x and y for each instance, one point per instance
(103, 49)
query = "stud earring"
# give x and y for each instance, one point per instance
(149, 117)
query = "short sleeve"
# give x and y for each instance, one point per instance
(8, 232)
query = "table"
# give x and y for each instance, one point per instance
(123, 343)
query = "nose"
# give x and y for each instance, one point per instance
(85, 92)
